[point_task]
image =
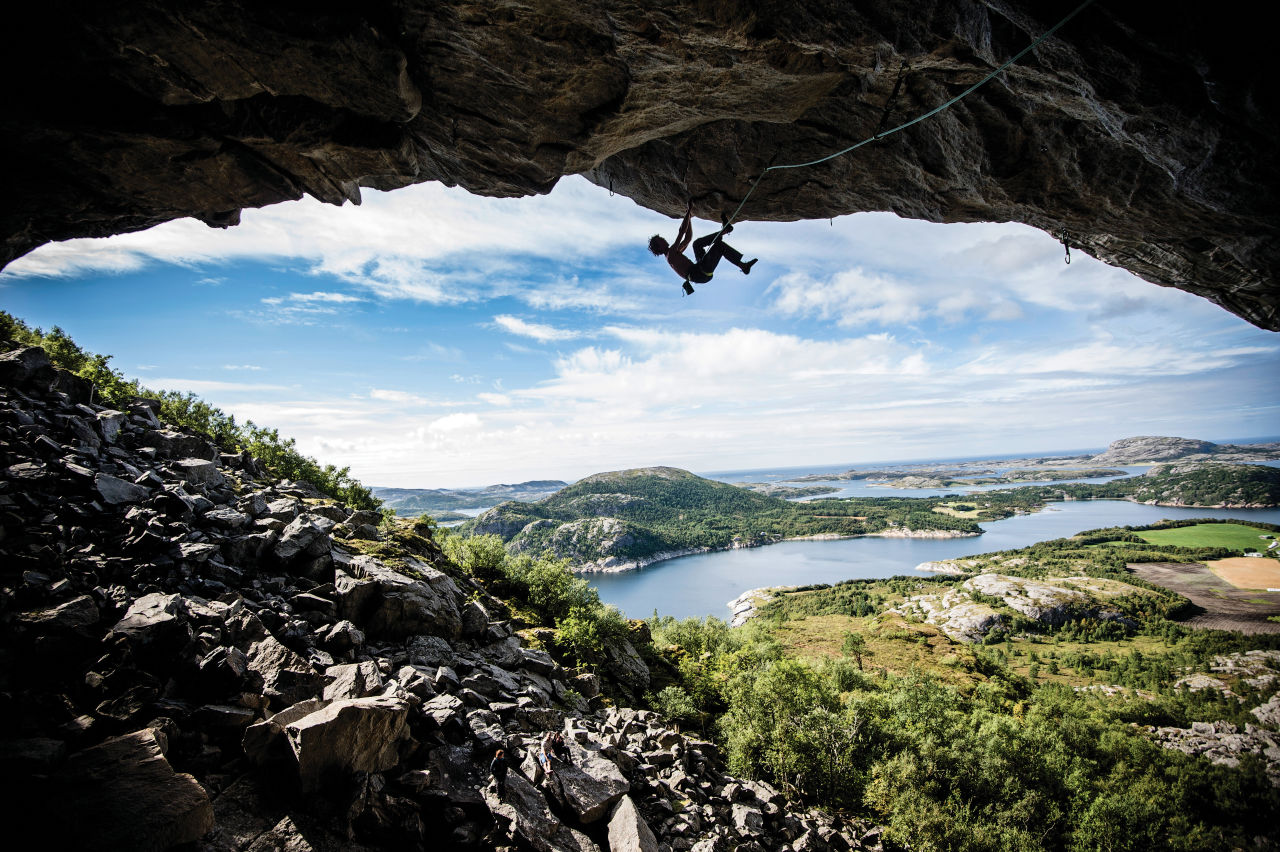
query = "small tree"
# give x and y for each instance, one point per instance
(854, 646)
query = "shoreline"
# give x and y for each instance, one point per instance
(636, 564)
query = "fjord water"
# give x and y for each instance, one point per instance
(702, 585)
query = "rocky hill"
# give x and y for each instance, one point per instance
(988, 602)
(1142, 133)
(625, 519)
(437, 501)
(196, 657)
(1219, 486)
(1146, 449)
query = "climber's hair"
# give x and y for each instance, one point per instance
(658, 245)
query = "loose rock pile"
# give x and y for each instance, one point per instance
(194, 654)
(1223, 742)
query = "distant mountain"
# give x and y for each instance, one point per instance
(624, 519)
(1209, 484)
(1149, 448)
(416, 501)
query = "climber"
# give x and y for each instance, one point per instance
(699, 270)
(545, 752)
(499, 769)
(560, 748)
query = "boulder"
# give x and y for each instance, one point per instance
(392, 604)
(110, 423)
(357, 735)
(286, 677)
(429, 651)
(199, 471)
(623, 663)
(77, 615)
(525, 810)
(343, 636)
(19, 365)
(226, 518)
(305, 535)
(125, 795)
(475, 619)
(590, 785)
(443, 709)
(152, 619)
(354, 680)
(179, 445)
(628, 832)
(115, 491)
(264, 741)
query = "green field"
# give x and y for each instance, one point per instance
(1234, 536)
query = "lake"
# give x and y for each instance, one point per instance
(704, 584)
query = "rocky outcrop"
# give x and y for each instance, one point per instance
(1150, 448)
(988, 601)
(1224, 743)
(187, 683)
(1144, 136)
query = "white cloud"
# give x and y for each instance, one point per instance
(538, 331)
(250, 367)
(399, 397)
(455, 423)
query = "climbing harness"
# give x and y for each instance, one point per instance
(878, 135)
(1066, 244)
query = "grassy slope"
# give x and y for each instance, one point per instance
(1232, 536)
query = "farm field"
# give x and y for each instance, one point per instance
(1233, 536)
(1248, 572)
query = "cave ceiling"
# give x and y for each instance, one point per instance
(1142, 131)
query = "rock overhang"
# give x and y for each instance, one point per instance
(1141, 132)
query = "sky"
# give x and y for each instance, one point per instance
(429, 338)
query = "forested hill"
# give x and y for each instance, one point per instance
(615, 519)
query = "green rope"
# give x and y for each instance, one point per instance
(917, 119)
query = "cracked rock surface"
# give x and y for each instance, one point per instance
(1144, 131)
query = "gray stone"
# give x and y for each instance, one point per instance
(343, 636)
(475, 619)
(628, 832)
(747, 820)
(416, 680)
(77, 615)
(589, 785)
(286, 677)
(536, 660)
(525, 810)
(443, 709)
(398, 605)
(429, 651)
(226, 518)
(306, 534)
(179, 445)
(115, 491)
(355, 680)
(264, 741)
(127, 796)
(109, 424)
(358, 735)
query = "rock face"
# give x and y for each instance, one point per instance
(183, 682)
(1153, 448)
(1143, 132)
(987, 602)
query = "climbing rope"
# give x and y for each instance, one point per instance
(916, 120)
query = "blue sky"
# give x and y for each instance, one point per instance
(430, 338)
